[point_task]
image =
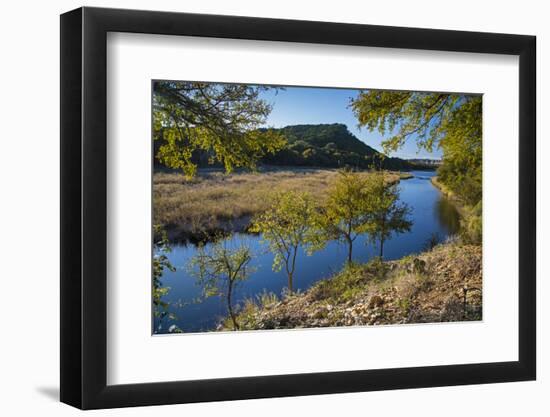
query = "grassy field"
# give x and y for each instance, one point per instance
(440, 285)
(214, 201)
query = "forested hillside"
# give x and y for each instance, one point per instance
(329, 145)
(322, 145)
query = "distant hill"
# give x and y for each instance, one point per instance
(329, 145)
(322, 145)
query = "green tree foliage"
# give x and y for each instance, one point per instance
(386, 214)
(329, 145)
(472, 230)
(219, 269)
(452, 122)
(221, 120)
(289, 223)
(335, 135)
(346, 213)
(160, 263)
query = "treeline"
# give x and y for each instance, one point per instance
(322, 145)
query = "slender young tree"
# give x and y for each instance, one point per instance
(346, 213)
(221, 120)
(386, 214)
(289, 223)
(219, 269)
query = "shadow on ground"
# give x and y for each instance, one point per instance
(50, 392)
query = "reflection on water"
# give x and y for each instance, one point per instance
(432, 214)
(447, 215)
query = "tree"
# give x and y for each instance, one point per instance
(219, 119)
(386, 214)
(452, 122)
(219, 268)
(346, 211)
(160, 263)
(289, 223)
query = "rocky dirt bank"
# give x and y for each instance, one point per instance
(440, 285)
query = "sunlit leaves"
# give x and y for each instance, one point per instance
(451, 122)
(387, 215)
(290, 222)
(219, 263)
(219, 267)
(346, 211)
(222, 120)
(361, 203)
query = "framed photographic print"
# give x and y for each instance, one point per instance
(257, 208)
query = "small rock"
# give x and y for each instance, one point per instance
(376, 301)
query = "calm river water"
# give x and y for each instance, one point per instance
(431, 214)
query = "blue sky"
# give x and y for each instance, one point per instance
(308, 105)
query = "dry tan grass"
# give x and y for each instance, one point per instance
(215, 201)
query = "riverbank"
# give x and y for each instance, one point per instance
(440, 285)
(451, 196)
(470, 216)
(214, 202)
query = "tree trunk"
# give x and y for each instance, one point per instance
(291, 271)
(350, 243)
(290, 278)
(382, 232)
(230, 308)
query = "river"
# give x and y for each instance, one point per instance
(432, 214)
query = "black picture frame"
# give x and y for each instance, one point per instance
(84, 207)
